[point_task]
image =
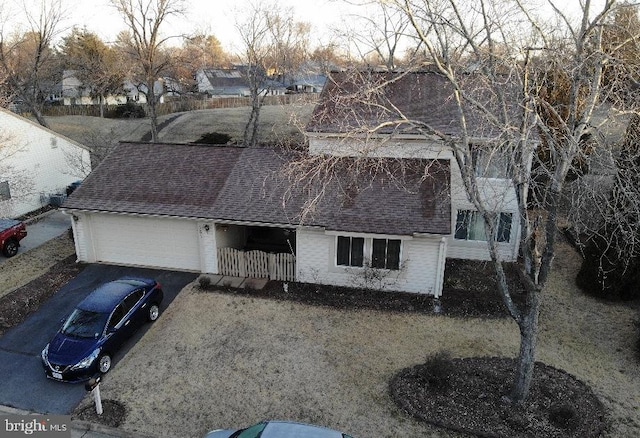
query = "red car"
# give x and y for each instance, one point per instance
(11, 233)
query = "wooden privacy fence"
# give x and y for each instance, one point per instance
(173, 105)
(256, 264)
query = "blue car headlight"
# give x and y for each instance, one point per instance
(45, 353)
(87, 361)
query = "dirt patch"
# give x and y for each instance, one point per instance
(113, 413)
(470, 395)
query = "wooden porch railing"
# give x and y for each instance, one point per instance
(256, 264)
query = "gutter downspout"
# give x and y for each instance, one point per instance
(437, 292)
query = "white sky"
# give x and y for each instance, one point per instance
(215, 17)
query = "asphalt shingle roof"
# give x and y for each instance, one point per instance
(353, 101)
(246, 185)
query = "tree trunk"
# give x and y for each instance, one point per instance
(102, 99)
(153, 116)
(528, 326)
(39, 116)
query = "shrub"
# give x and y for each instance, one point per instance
(436, 371)
(204, 282)
(214, 138)
(129, 110)
(563, 416)
(605, 277)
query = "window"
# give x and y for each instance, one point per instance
(133, 299)
(350, 251)
(470, 226)
(5, 191)
(490, 163)
(117, 315)
(504, 227)
(385, 254)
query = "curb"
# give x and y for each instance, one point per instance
(33, 220)
(86, 426)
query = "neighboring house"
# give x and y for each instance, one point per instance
(231, 83)
(138, 92)
(74, 92)
(35, 163)
(307, 83)
(229, 210)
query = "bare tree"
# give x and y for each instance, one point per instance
(516, 92)
(290, 40)
(380, 36)
(27, 59)
(143, 43)
(273, 44)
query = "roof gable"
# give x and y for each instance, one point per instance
(33, 125)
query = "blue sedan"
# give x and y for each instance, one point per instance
(98, 327)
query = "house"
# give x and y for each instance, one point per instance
(232, 83)
(310, 83)
(74, 92)
(389, 217)
(137, 92)
(35, 163)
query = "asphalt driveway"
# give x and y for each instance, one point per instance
(24, 385)
(48, 226)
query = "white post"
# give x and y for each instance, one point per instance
(97, 399)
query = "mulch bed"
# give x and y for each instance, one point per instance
(113, 413)
(470, 395)
(470, 291)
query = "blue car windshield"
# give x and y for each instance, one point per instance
(85, 324)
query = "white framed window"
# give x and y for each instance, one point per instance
(350, 251)
(382, 253)
(385, 254)
(470, 226)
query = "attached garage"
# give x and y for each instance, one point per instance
(145, 241)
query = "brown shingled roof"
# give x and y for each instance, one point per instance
(356, 101)
(246, 185)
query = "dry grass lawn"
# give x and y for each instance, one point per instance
(219, 360)
(276, 123)
(27, 266)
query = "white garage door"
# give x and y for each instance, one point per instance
(153, 242)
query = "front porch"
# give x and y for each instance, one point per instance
(256, 252)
